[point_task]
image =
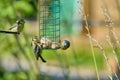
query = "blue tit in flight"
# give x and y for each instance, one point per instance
(18, 26)
(37, 47)
(65, 45)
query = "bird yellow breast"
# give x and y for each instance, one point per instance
(20, 28)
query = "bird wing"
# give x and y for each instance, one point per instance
(13, 28)
(37, 49)
(15, 25)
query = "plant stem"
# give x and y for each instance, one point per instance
(94, 59)
(91, 45)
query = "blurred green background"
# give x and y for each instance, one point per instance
(17, 61)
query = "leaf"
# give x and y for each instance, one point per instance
(24, 7)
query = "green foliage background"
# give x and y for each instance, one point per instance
(18, 48)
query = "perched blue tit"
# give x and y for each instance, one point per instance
(37, 47)
(18, 26)
(65, 45)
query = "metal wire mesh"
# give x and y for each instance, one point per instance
(49, 20)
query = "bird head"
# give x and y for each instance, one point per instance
(20, 21)
(35, 39)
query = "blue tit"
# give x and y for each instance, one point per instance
(18, 26)
(65, 45)
(37, 47)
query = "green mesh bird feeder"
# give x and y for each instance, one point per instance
(49, 23)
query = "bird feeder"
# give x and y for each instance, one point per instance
(49, 23)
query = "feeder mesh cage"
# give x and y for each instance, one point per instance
(49, 20)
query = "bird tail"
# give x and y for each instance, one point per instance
(43, 60)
